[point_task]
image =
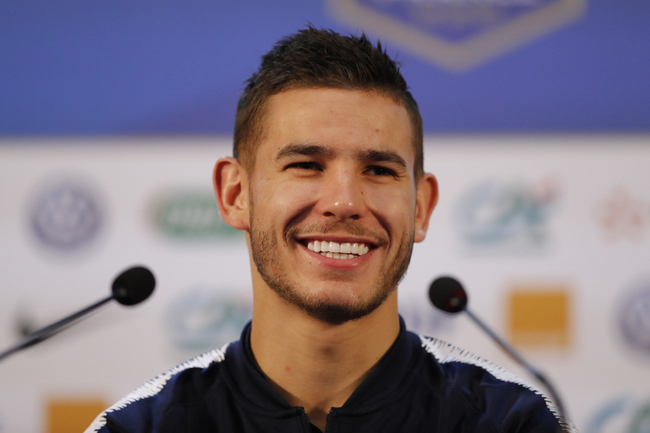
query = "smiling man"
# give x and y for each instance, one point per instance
(327, 183)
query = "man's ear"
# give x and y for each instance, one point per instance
(426, 199)
(231, 188)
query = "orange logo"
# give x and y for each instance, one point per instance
(72, 415)
(539, 316)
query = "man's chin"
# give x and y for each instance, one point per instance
(331, 310)
(337, 314)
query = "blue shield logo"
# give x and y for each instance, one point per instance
(458, 34)
(66, 216)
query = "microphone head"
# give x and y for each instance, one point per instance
(447, 294)
(133, 285)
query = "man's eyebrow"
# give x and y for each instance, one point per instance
(381, 156)
(304, 150)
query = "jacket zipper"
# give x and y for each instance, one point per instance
(327, 420)
(305, 420)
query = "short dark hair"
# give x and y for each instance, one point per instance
(315, 58)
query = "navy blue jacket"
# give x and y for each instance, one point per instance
(420, 385)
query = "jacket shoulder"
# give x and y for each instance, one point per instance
(141, 408)
(502, 396)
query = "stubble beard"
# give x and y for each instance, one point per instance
(265, 248)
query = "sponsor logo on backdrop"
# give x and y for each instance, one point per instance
(192, 215)
(66, 216)
(539, 316)
(634, 317)
(624, 414)
(65, 415)
(622, 216)
(506, 217)
(458, 34)
(206, 317)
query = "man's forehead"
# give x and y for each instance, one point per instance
(307, 115)
(301, 94)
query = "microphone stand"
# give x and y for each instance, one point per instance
(517, 357)
(50, 330)
(131, 287)
(447, 294)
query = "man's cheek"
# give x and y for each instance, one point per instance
(297, 195)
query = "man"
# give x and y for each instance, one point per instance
(327, 183)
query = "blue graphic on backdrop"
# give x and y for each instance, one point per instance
(623, 414)
(203, 318)
(458, 20)
(510, 217)
(422, 318)
(458, 34)
(634, 317)
(152, 68)
(66, 216)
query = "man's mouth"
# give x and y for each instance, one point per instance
(336, 250)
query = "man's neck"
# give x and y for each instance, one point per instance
(317, 365)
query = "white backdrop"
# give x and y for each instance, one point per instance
(517, 214)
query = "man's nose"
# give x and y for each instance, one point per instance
(342, 196)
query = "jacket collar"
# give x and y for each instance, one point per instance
(387, 381)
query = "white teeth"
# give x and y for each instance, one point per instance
(345, 250)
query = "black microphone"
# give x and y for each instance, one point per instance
(447, 294)
(129, 288)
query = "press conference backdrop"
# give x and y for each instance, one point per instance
(549, 235)
(112, 115)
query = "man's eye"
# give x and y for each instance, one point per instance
(381, 171)
(304, 165)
